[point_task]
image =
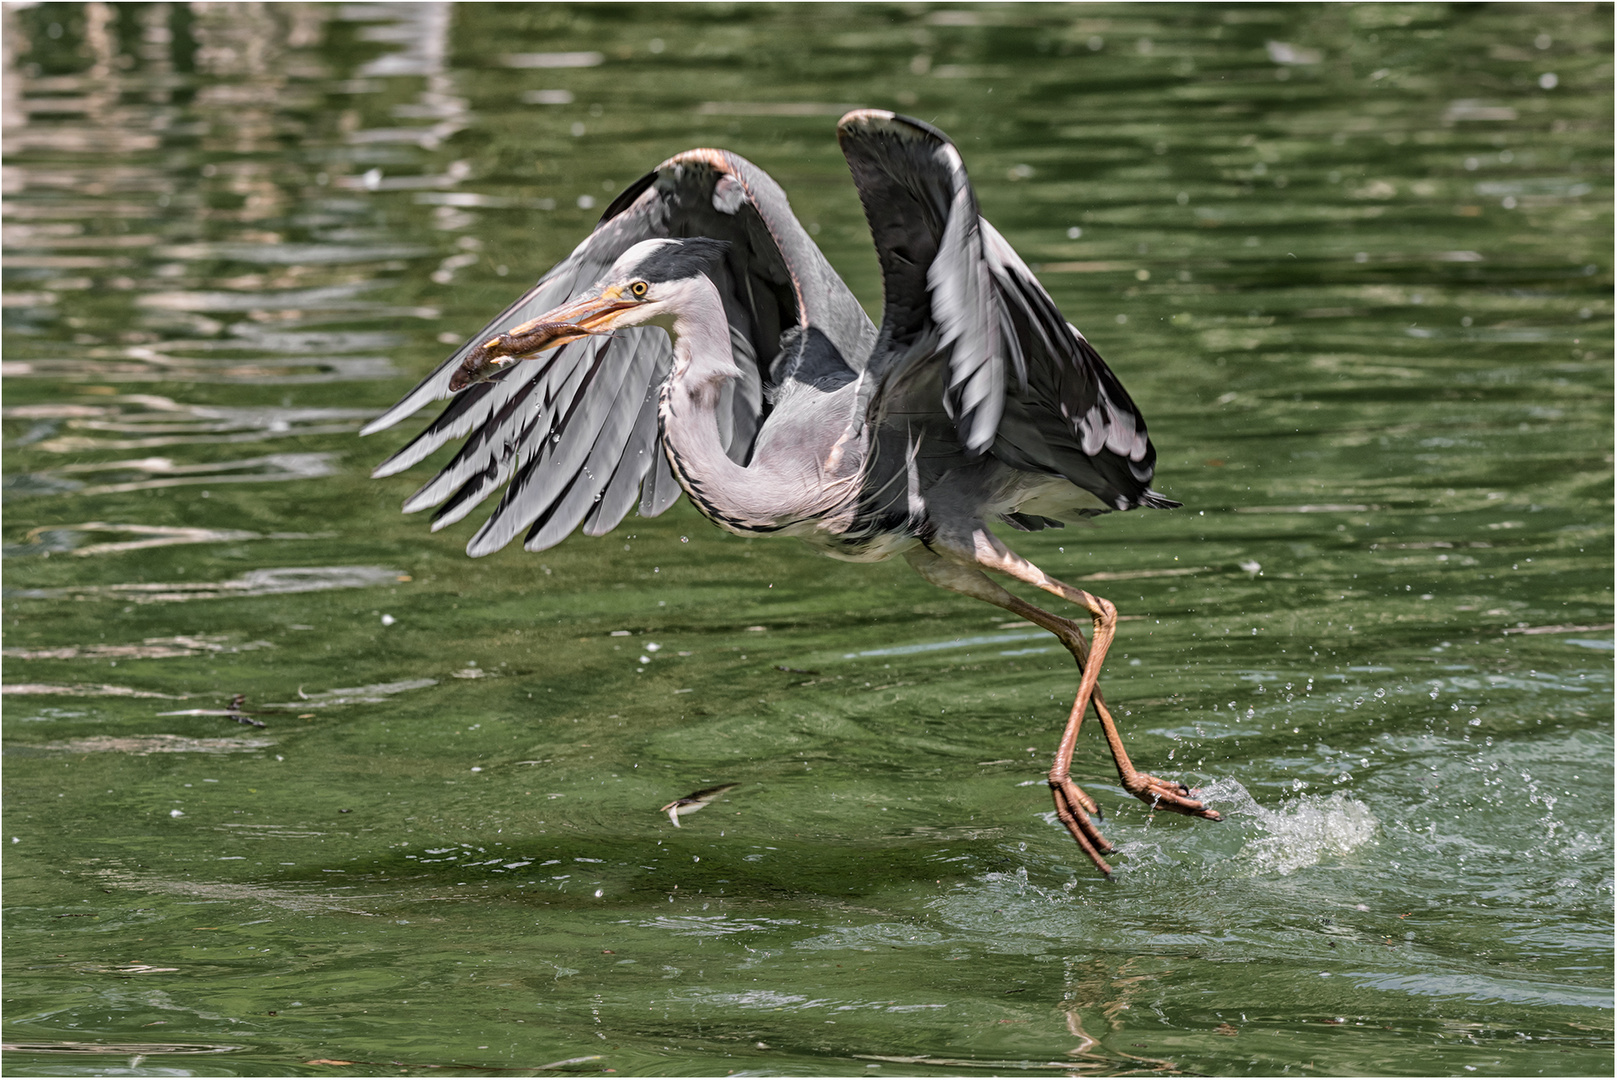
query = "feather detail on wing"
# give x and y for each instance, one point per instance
(574, 430)
(1020, 382)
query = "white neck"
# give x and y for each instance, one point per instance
(701, 332)
(775, 489)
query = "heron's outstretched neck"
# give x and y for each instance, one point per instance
(778, 487)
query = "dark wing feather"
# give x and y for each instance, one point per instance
(574, 430)
(1020, 381)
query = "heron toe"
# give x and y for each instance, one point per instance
(1162, 794)
(1073, 808)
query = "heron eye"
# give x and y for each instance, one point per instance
(638, 288)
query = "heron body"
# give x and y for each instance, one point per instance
(699, 341)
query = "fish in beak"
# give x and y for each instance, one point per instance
(582, 318)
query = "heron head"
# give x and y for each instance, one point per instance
(649, 280)
(647, 283)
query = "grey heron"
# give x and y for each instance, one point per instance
(697, 340)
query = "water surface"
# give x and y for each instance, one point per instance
(1352, 262)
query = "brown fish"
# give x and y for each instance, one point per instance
(483, 362)
(693, 802)
(570, 323)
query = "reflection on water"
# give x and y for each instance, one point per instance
(155, 744)
(102, 690)
(195, 425)
(1354, 263)
(150, 649)
(43, 540)
(167, 472)
(354, 695)
(314, 900)
(268, 582)
(957, 643)
(142, 364)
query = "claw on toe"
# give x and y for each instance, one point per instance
(1078, 812)
(1075, 808)
(1170, 795)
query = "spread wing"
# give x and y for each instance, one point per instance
(574, 430)
(963, 311)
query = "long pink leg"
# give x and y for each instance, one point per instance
(1073, 805)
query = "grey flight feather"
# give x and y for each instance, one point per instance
(560, 474)
(538, 423)
(624, 487)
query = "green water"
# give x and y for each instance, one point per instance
(1352, 262)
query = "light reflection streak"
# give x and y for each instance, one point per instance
(167, 422)
(54, 539)
(269, 468)
(142, 745)
(150, 649)
(277, 581)
(84, 690)
(373, 694)
(148, 365)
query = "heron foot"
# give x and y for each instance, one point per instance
(1074, 808)
(1161, 794)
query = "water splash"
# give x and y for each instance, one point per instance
(1300, 832)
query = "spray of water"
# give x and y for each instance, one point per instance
(1298, 833)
